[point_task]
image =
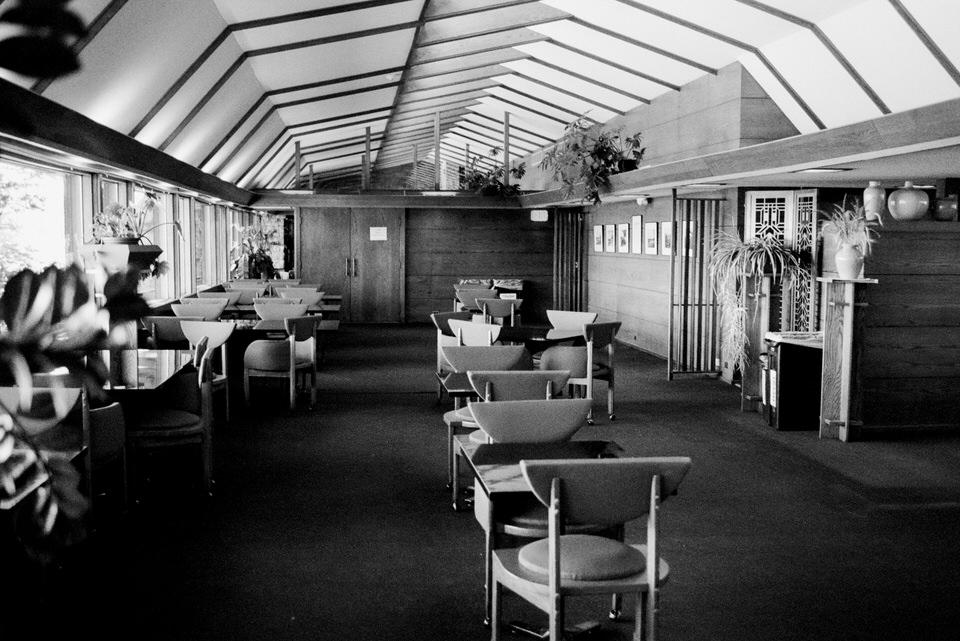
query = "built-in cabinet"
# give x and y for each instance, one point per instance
(357, 253)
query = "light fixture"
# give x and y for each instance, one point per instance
(539, 215)
(643, 199)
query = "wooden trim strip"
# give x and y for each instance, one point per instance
(470, 10)
(333, 96)
(514, 127)
(524, 94)
(236, 127)
(615, 65)
(572, 94)
(94, 28)
(325, 40)
(594, 81)
(312, 14)
(927, 41)
(239, 146)
(263, 158)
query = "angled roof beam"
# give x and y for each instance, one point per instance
(615, 65)
(465, 62)
(513, 127)
(567, 92)
(490, 22)
(927, 41)
(593, 81)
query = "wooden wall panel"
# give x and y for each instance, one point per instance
(911, 346)
(446, 245)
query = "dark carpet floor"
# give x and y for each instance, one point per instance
(335, 523)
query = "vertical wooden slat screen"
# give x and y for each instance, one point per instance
(567, 259)
(693, 324)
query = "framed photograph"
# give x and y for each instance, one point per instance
(666, 238)
(636, 242)
(623, 238)
(598, 238)
(651, 238)
(610, 238)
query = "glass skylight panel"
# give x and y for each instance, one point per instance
(729, 17)
(502, 94)
(558, 98)
(812, 11)
(939, 18)
(810, 67)
(342, 106)
(779, 94)
(905, 76)
(556, 78)
(648, 28)
(616, 50)
(543, 126)
(591, 68)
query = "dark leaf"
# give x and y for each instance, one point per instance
(36, 15)
(37, 56)
(122, 299)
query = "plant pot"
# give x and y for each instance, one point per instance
(626, 164)
(849, 261)
(115, 257)
(946, 208)
(874, 197)
(121, 240)
(908, 203)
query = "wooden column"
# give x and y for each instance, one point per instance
(296, 164)
(757, 325)
(506, 148)
(436, 150)
(841, 399)
(366, 160)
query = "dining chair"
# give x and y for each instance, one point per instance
(516, 385)
(310, 297)
(210, 310)
(107, 435)
(248, 293)
(445, 336)
(279, 311)
(587, 363)
(277, 300)
(286, 358)
(165, 332)
(564, 564)
(232, 296)
(464, 359)
(470, 333)
(500, 310)
(564, 319)
(466, 299)
(181, 413)
(217, 333)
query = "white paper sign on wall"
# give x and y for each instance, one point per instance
(378, 233)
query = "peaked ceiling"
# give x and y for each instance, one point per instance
(234, 87)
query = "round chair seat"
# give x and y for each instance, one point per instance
(164, 419)
(585, 558)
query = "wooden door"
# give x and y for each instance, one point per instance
(376, 282)
(358, 254)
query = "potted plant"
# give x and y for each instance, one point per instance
(252, 252)
(849, 233)
(490, 182)
(127, 225)
(587, 155)
(737, 270)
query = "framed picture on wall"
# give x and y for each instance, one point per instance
(666, 238)
(598, 238)
(610, 238)
(651, 238)
(623, 238)
(636, 242)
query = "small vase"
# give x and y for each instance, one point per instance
(849, 261)
(874, 197)
(908, 203)
(946, 208)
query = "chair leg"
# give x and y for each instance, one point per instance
(496, 605)
(293, 392)
(246, 387)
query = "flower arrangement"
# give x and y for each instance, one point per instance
(852, 225)
(129, 221)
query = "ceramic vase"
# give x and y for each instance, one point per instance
(849, 261)
(946, 208)
(908, 203)
(874, 197)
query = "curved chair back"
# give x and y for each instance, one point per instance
(610, 490)
(467, 298)
(216, 332)
(470, 333)
(501, 309)
(165, 331)
(531, 421)
(465, 358)
(39, 408)
(517, 385)
(275, 311)
(563, 319)
(301, 328)
(209, 311)
(566, 357)
(308, 296)
(277, 300)
(232, 295)
(248, 293)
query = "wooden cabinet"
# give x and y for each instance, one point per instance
(359, 254)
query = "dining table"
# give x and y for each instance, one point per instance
(496, 469)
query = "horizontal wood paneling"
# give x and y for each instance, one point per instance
(444, 246)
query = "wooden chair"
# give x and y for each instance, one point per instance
(584, 364)
(248, 293)
(304, 296)
(563, 319)
(466, 299)
(470, 333)
(166, 332)
(209, 310)
(277, 300)
(297, 355)
(517, 385)
(280, 311)
(232, 296)
(607, 491)
(182, 414)
(445, 336)
(106, 432)
(216, 333)
(500, 310)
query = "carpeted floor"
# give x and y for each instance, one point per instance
(335, 523)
